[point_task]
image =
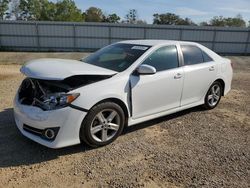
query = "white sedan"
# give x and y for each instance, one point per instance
(66, 102)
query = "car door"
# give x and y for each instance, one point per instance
(161, 91)
(200, 71)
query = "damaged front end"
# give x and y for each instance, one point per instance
(53, 94)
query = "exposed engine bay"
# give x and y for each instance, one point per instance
(52, 94)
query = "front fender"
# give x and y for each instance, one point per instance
(92, 94)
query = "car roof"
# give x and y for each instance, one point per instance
(155, 42)
(171, 42)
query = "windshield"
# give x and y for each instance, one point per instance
(117, 57)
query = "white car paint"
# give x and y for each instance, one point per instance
(59, 69)
(145, 97)
(67, 118)
(160, 83)
(197, 80)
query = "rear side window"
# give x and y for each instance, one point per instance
(206, 58)
(192, 55)
(163, 58)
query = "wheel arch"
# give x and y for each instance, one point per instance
(118, 102)
(222, 82)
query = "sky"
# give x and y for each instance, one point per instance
(197, 10)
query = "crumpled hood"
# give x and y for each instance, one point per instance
(59, 69)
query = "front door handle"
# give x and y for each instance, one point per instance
(211, 68)
(178, 76)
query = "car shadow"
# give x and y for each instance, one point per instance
(17, 150)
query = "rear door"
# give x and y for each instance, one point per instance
(200, 71)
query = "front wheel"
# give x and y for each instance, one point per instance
(103, 124)
(213, 96)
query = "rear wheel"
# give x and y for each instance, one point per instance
(103, 124)
(213, 96)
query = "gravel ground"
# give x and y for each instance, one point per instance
(193, 148)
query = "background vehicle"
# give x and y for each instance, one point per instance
(64, 102)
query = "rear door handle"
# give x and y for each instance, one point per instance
(178, 76)
(211, 68)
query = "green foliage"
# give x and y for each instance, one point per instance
(186, 21)
(66, 10)
(93, 14)
(168, 18)
(3, 8)
(111, 18)
(218, 21)
(131, 17)
(41, 10)
(44, 10)
(236, 21)
(171, 19)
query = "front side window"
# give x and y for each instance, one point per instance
(117, 57)
(163, 58)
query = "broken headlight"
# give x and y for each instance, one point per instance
(47, 95)
(56, 100)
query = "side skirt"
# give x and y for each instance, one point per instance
(132, 121)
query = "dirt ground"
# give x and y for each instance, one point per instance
(193, 148)
(21, 58)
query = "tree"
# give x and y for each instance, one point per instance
(48, 11)
(44, 10)
(25, 8)
(111, 18)
(168, 18)
(131, 17)
(14, 8)
(93, 14)
(41, 10)
(171, 19)
(66, 10)
(3, 8)
(186, 21)
(218, 21)
(236, 21)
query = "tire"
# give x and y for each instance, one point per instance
(102, 125)
(213, 96)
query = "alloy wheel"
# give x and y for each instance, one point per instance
(105, 125)
(214, 95)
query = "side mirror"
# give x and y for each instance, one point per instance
(146, 69)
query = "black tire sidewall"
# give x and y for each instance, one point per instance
(206, 104)
(85, 134)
